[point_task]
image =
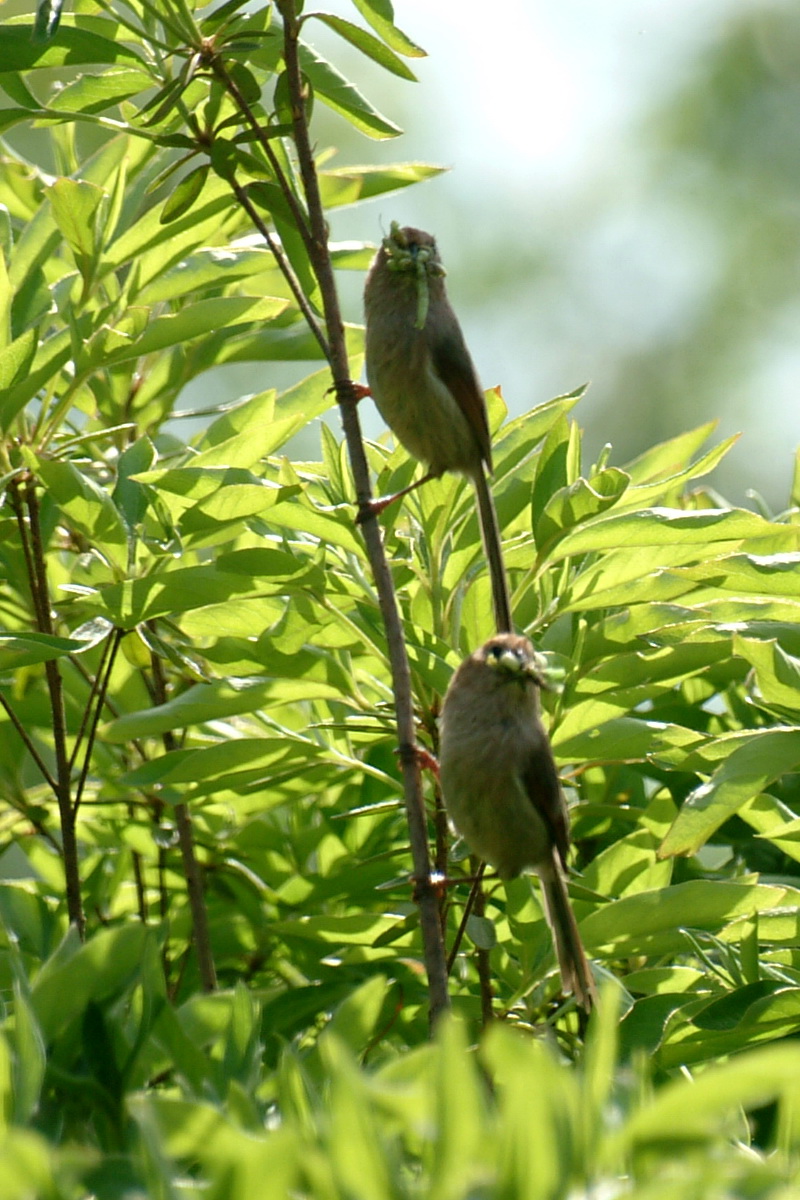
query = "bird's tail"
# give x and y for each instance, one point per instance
(576, 975)
(494, 554)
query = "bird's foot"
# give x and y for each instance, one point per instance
(348, 390)
(418, 754)
(372, 508)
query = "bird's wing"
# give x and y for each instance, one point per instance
(453, 365)
(541, 782)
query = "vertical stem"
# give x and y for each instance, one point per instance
(482, 962)
(102, 682)
(433, 944)
(191, 867)
(197, 901)
(138, 875)
(34, 551)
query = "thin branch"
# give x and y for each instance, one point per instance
(473, 895)
(38, 583)
(299, 217)
(197, 902)
(112, 648)
(20, 806)
(87, 710)
(191, 867)
(483, 965)
(433, 944)
(15, 494)
(283, 263)
(141, 893)
(29, 746)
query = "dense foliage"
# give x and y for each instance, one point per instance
(210, 954)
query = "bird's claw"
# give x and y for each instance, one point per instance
(419, 755)
(372, 508)
(347, 389)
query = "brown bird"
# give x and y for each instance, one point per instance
(501, 787)
(424, 384)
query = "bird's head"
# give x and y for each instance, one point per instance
(514, 659)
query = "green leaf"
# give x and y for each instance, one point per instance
(96, 971)
(221, 762)
(343, 97)
(70, 47)
(581, 737)
(580, 502)
(333, 529)
(15, 87)
(210, 268)
(185, 194)
(760, 574)
(195, 320)
(74, 204)
(777, 672)
(231, 429)
(360, 929)
(186, 588)
(48, 16)
(380, 15)
(254, 443)
(96, 93)
(25, 649)
(551, 470)
(670, 458)
(689, 1108)
(370, 46)
(348, 185)
(165, 245)
(87, 507)
(536, 1132)
(16, 360)
(653, 922)
(130, 497)
(666, 526)
(30, 1058)
(214, 490)
(749, 769)
(641, 495)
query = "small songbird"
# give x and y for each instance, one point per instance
(501, 787)
(424, 384)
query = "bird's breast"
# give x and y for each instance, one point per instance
(415, 403)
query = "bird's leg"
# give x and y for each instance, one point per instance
(375, 507)
(422, 757)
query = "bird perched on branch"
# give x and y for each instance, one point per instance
(501, 787)
(424, 384)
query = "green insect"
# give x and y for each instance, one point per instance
(402, 258)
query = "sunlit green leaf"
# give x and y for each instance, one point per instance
(746, 771)
(347, 185)
(343, 97)
(95, 93)
(380, 15)
(19, 51)
(375, 49)
(185, 194)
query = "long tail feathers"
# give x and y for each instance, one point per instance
(576, 976)
(494, 554)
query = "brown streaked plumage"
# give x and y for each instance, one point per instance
(424, 384)
(501, 787)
